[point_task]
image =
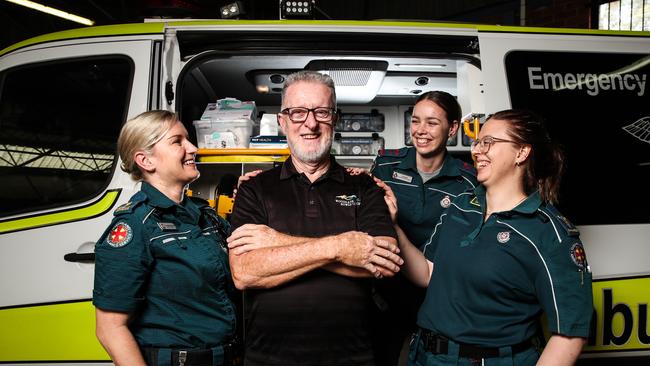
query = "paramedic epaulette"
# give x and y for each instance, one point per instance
(468, 168)
(569, 228)
(131, 205)
(396, 153)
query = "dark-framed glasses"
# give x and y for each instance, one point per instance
(300, 114)
(483, 145)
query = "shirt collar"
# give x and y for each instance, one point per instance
(335, 171)
(156, 198)
(449, 165)
(527, 206)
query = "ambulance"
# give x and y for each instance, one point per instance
(64, 97)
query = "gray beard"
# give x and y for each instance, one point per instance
(313, 157)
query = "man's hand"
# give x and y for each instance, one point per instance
(251, 236)
(389, 197)
(377, 256)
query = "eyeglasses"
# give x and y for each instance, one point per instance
(300, 114)
(483, 144)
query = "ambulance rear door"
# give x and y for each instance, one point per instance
(62, 105)
(592, 89)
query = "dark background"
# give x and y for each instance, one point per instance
(18, 23)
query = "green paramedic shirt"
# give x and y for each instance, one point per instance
(165, 264)
(421, 203)
(491, 281)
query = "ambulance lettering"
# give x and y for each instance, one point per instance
(620, 321)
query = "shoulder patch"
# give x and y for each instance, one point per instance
(578, 256)
(120, 235)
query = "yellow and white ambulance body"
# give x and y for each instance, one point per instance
(64, 97)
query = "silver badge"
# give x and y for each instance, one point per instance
(445, 202)
(402, 177)
(166, 226)
(503, 237)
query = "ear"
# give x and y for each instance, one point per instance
(453, 129)
(144, 163)
(523, 153)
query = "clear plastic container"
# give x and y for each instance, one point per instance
(223, 134)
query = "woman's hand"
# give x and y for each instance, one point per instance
(358, 171)
(389, 197)
(243, 178)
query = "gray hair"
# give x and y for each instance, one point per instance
(141, 134)
(310, 77)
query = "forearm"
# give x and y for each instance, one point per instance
(118, 340)
(272, 266)
(416, 267)
(561, 350)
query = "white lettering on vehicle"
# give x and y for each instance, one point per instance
(592, 83)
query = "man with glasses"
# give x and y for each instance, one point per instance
(308, 239)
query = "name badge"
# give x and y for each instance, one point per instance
(402, 177)
(166, 226)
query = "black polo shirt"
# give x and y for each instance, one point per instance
(320, 318)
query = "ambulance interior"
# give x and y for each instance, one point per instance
(375, 95)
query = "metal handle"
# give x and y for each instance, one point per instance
(79, 257)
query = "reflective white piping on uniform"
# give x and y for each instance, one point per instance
(435, 228)
(163, 235)
(557, 313)
(474, 211)
(468, 181)
(400, 183)
(147, 215)
(552, 223)
(390, 163)
(438, 190)
(466, 194)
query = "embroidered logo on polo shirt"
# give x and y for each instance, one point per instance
(348, 200)
(578, 256)
(503, 237)
(403, 177)
(120, 235)
(445, 202)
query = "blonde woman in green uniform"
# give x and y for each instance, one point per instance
(162, 283)
(504, 256)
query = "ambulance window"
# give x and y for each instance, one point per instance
(59, 123)
(598, 108)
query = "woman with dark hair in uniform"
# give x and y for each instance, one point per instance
(425, 178)
(504, 255)
(162, 283)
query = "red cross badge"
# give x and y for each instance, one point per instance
(578, 256)
(120, 235)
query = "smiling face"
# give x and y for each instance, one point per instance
(430, 128)
(172, 158)
(497, 165)
(309, 141)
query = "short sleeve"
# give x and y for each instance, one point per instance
(248, 208)
(373, 216)
(429, 247)
(563, 285)
(122, 264)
